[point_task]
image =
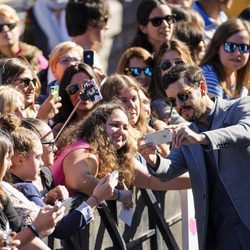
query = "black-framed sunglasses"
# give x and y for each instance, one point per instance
(157, 21)
(167, 64)
(230, 47)
(50, 143)
(27, 81)
(136, 71)
(73, 88)
(182, 96)
(10, 26)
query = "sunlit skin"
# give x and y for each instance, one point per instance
(183, 3)
(27, 166)
(29, 92)
(9, 38)
(144, 80)
(131, 103)
(235, 60)
(117, 128)
(191, 109)
(59, 68)
(84, 106)
(163, 33)
(48, 154)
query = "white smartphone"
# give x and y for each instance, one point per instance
(116, 175)
(159, 137)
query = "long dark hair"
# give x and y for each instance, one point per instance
(67, 106)
(143, 11)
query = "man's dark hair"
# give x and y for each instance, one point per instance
(191, 74)
(81, 13)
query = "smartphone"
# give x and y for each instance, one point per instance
(88, 57)
(159, 137)
(115, 174)
(91, 92)
(54, 90)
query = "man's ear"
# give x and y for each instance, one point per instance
(142, 28)
(203, 87)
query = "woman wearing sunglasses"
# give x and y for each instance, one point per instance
(138, 63)
(10, 46)
(155, 25)
(19, 74)
(70, 88)
(226, 64)
(168, 55)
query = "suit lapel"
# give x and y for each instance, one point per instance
(219, 116)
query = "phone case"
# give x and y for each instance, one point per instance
(91, 92)
(88, 57)
(159, 137)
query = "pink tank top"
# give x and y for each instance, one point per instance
(56, 168)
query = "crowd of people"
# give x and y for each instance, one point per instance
(66, 126)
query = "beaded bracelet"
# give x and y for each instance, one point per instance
(33, 230)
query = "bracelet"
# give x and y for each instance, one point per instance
(33, 230)
(119, 194)
(95, 199)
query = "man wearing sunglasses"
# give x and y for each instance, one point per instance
(10, 46)
(215, 149)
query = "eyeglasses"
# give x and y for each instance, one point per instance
(68, 60)
(50, 143)
(10, 26)
(136, 71)
(26, 81)
(183, 96)
(230, 47)
(167, 64)
(157, 21)
(73, 88)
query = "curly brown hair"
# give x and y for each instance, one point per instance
(92, 130)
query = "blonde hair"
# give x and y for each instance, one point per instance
(61, 49)
(8, 99)
(9, 13)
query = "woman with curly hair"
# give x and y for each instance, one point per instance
(95, 146)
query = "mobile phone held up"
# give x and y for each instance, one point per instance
(91, 91)
(54, 90)
(159, 137)
(88, 57)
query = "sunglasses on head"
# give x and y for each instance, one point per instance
(26, 81)
(167, 64)
(157, 21)
(73, 88)
(230, 47)
(182, 96)
(10, 26)
(136, 71)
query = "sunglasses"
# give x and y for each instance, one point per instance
(50, 143)
(136, 71)
(157, 21)
(68, 60)
(73, 88)
(26, 81)
(10, 26)
(167, 64)
(230, 47)
(182, 96)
